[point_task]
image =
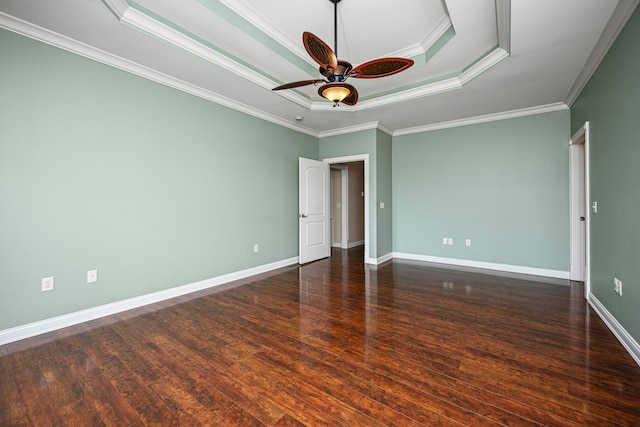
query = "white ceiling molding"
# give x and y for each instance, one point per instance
(405, 95)
(503, 19)
(49, 37)
(484, 119)
(141, 21)
(148, 25)
(490, 60)
(522, 21)
(623, 11)
(421, 48)
(560, 106)
(254, 18)
(350, 129)
(453, 83)
(117, 7)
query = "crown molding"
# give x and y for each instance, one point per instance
(117, 7)
(503, 20)
(454, 83)
(148, 25)
(559, 106)
(349, 129)
(124, 12)
(484, 64)
(621, 14)
(423, 47)
(250, 15)
(62, 42)
(383, 128)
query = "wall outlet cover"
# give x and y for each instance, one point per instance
(92, 276)
(47, 284)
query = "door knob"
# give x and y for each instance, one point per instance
(303, 216)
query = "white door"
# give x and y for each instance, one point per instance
(579, 220)
(314, 210)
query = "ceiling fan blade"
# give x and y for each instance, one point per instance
(352, 98)
(319, 51)
(382, 67)
(298, 84)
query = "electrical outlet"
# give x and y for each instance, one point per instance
(47, 284)
(450, 242)
(92, 276)
(468, 242)
(617, 286)
(255, 248)
(445, 241)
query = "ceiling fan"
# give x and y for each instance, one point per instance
(337, 71)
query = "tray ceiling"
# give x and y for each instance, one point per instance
(473, 58)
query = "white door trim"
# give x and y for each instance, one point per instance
(359, 158)
(581, 137)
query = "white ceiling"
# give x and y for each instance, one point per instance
(475, 59)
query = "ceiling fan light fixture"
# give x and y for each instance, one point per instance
(336, 92)
(336, 71)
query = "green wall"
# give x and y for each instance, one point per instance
(611, 104)
(377, 145)
(502, 184)
(101, 169)
(353, 144)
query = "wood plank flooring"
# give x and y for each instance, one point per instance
(333, 343)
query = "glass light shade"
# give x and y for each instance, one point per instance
(336, 93)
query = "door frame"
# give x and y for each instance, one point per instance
(579, 141)
(359, 158)
(344, 206)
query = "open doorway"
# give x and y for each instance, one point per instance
(360, 163)
(347, 205)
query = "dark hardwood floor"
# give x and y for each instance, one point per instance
(333, 343)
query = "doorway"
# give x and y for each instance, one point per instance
(347, 205)
(340, 163)
(579, 210)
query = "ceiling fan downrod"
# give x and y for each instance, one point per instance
(335, 25)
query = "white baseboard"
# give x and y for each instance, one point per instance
(531, 271)
(355, 244)
(380, 260)
(59, 322)
(618, 330)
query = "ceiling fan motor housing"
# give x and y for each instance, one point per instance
(340, 74)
